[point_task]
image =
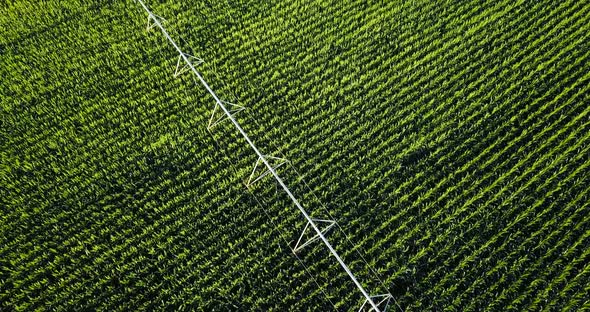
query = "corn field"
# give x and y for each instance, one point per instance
(450, 140)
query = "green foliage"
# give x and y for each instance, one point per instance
(450, 139)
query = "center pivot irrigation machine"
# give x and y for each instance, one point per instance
(186, 62)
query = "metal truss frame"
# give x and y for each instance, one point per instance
(278, 162)
(299, 245)
(382, 300)
(154, 21)
(215, 120)
(195, 61)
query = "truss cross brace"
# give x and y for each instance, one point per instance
(218, 116)
(195, 61)
(260, 163)
(382, 302)
(151, 20)
(300, 245)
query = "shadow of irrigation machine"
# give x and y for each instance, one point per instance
(266, 165)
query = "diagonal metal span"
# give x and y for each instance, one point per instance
(156, 22)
